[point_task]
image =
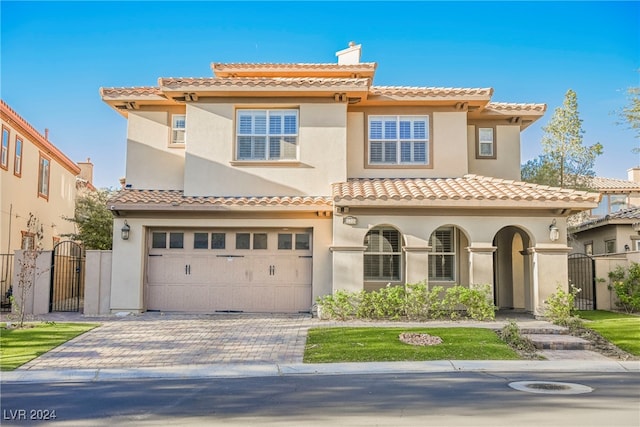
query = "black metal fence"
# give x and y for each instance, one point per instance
(67, 277)
(582, 276)
(6, 279)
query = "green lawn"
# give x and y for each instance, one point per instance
(621, 329)
(18, 346)
(329, 345)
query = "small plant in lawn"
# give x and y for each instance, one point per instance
(510, 334)
(626, 285)
(560, 308)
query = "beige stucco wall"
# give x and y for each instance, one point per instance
(129, 257)
(210, 167)
(19, 196)
(36, 286)
(97, 292)
(507, 162)
(448, 141)
(151, 162)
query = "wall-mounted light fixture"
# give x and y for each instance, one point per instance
(627, 248)
(554, 232)
(350, 220)
(124, 231)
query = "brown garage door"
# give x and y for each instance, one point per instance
(229, 270)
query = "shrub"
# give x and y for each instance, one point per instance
(626, 285)
(560, 307)
(510, 334)
(415, 301)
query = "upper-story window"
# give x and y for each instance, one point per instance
(267, 135)
(17, 160)
(486, 146)
(610, 203)
(178, 129)
(398, 140)
(4, 151)
(43, 177)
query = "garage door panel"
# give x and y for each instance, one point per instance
(261, 280)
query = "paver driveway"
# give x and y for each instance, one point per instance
(168, 340)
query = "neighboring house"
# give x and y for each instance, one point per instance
(613, 233)
(269, 185)
(35, 178)
(608, 229)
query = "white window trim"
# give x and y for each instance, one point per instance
(175, 129)
(453, 253)
(398, 161)
(491, 143)
(266, 135)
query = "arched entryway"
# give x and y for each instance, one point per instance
(512, 270)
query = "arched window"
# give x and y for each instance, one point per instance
(383, 256)
(442, 259)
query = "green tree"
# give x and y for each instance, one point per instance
(565, 161)
(93, 220)
(631, 112)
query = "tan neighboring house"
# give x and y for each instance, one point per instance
(268, 185)
(35, 178)
(608, 228)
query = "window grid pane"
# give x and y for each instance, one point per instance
(398, 140)
(382, 258)
(267, 135)
(176, 240)
(218, 241)
(200, 240)
(285, 241)
(159, 240)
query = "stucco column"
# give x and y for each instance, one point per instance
(348, 268)
(416, 264)
(550, 269)
(127, 268)
(481, 263)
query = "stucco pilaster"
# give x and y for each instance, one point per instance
(550, 270)
(416, 263)
(481, 263)
(348, 268)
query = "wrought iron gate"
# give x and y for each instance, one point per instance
(582, 275)
(67, 277)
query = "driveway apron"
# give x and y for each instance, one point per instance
(168, 340)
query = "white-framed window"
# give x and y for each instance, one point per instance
(17, 160)
(267, 135)
(486, 143)
(178, 129)
(382, 256)
(4, 150)
(398, 140)
(442, 258)
(637, 245)
(588, 248)
(43, 177)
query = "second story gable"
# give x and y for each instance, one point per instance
(294, 129)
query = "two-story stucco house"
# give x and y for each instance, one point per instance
(268, 185)
(35, 178)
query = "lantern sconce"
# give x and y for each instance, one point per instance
(124, 231)
(554, 232)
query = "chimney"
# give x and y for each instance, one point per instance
(350, 55)
(46, 134)
(86, 171)
(633, 174)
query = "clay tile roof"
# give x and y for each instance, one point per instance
(444, 92)
(467, 188)
(174, 199)
(256, 82)
(623, 216)
(217, 66)
(612, 184)
(512, 107)
(141, 91)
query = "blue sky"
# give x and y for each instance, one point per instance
(56, 55)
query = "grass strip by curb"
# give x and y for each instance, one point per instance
(374, 344)
(18, 346)
(621, 329)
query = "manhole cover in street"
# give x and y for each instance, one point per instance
(550, 387)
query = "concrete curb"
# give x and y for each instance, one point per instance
(271, 370)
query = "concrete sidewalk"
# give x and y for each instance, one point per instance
(170, 345)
